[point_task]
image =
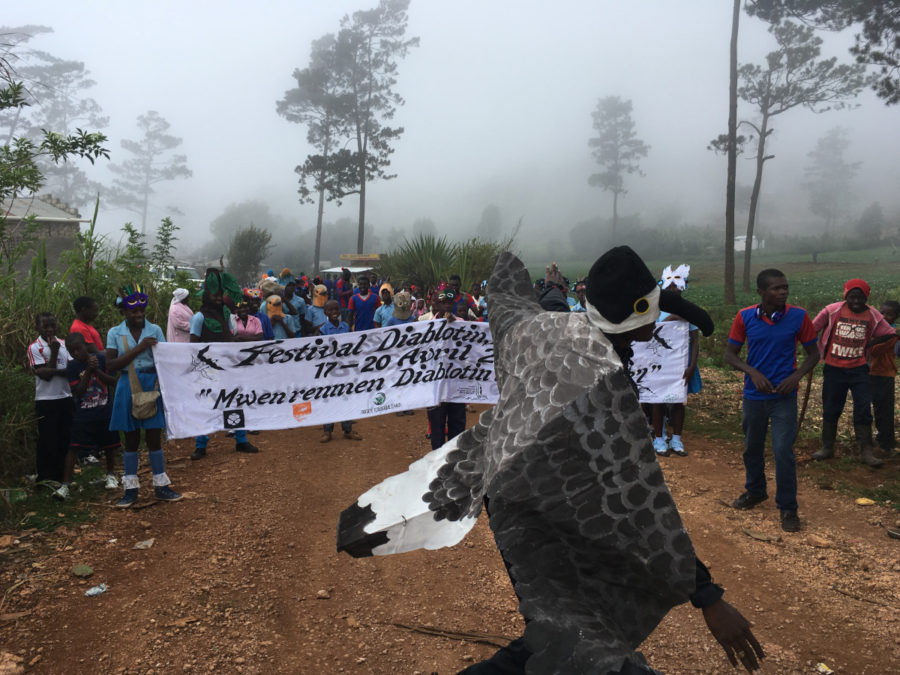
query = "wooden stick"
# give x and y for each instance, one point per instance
(14, 615)
(858, 597)
(805, 402)
(10, 590)
(483, 638)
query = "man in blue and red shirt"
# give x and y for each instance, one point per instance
(771, 330)
(462, 298)
(362, 306)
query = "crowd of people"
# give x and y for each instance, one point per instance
(87, 391)
(84, 386)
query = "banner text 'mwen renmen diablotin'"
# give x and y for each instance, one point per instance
(237, 398)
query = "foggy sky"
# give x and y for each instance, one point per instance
(498, 107)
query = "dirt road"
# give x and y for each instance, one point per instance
(243, 575)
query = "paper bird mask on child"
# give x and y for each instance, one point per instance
(320, 295)
(274, 306)
(678, 277)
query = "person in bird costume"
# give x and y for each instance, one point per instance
(565, 468)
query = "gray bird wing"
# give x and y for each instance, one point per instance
(511, 297)
(457, 490)
(578, 504)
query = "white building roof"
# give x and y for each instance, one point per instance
(44, 207)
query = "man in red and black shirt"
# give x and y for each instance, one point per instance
(847, 330)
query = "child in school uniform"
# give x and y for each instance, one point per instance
(419, 309)
(334, 326)
(401, 310)
(386, 310)
(131, 342)
(215, 323)
(445, 420)
(254, 298)
(315, 312)
(402, 313)
(246, 326)
(48, 358)
(362, 305)
(89, 382)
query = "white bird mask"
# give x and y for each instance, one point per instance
(678, 277)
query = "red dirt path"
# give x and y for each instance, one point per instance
(233, 580)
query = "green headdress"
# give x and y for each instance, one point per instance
(222, 282)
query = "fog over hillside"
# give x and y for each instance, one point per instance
(498, 102)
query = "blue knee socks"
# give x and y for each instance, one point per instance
(130, 459)
(157, 462)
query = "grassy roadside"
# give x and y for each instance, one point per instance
(39, 510)
(716, 413)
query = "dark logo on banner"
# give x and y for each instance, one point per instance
(208, 361)
(233, 419)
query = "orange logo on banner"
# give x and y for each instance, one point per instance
(301, 409)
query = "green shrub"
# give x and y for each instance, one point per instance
(426, 259)
(19, 423)
(421, 261)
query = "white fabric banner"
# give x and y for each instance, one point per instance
(279, 384)
(658, 366)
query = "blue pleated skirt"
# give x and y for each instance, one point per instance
(696, 384)
(122, 419)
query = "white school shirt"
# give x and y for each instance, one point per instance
(56, 387)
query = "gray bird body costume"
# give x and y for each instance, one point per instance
(578, 504)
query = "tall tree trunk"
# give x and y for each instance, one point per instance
(319, 230)
(615, 212)
(729, 298)
(144, 209)
(754, 198)
(321, 182)
(360, 239)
